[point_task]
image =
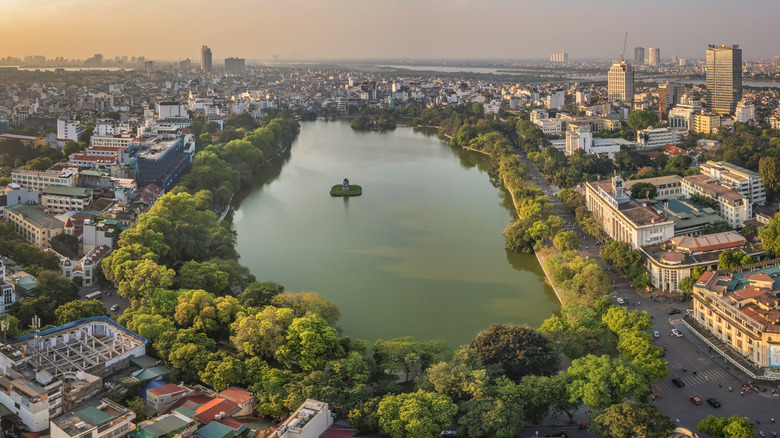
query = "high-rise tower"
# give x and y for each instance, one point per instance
(724, 78)
(620, 82)
(205, 59)
(639, 55)
(653, 56)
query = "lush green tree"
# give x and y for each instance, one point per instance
(164, 301)
(639, 119)
(65, 244)
(138, 279)
(308, 303)
(190, 351)
(717, 227)
(686, 285)
(405, 355)
(566, 241)
(620, 320)
(27, 254)
(643, 191)
(13, 326)
(203, 275)
(364, 417)
(461, 378)
(515, 351)
(71, 147)
(203, 311)
(42, 306)
(149, 325)
(770, 236)
(593, 281)
(679, 164)
(732, 427)
(38, 163)
(259, 293)
(631, 419)
(310, 343)
(490, 417)
(769, 168)
(268, 384)
(60, 289)
(261, 333)
(77, 309)
(224, 372)
(599, 381)
(571, 199)
(416, 415)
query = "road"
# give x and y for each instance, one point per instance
(108, 300)
(706, 375)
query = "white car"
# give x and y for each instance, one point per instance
(677, 333)
(656, 334)
(621, 300)
(115, 307)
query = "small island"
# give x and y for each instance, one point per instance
(346, 189)
(363, 123)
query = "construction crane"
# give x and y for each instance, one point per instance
(625, 40)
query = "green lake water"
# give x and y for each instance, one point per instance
(420, 253)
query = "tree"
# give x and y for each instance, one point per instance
(223, 372)
(416, 415)
(364, 418)
(204, 312)
(76, 309)
(490, 417)
(27, 254)
(639, 119)
(268, 384)
(566, 241)
(717, 227)
(599, 381)
(60, 289)
(643, 191)
(205, 275)
(770, 236)
(631, 419)
(308, 303)
(461, 378)
(261, 333)
(679, 164)
(769, 168)
(260, 293)
(405, 355)
(732, 427)
(516, 351)
(310, 343)
(620, 320)
(71, 147)
(65, 244)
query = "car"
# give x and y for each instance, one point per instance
(712, 402)
(677, 333)
(115, 307)
(673, 311)
(449, 432)
(656, 334)
(621, 301)
(695, 399)
(678, 382)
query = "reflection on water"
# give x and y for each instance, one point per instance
(420, 253)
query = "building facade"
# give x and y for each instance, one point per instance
(205, 59)
(620, 83)
(40, 179)
(733, 207)
(69, 130)
(724, 78)
(235, 66)
(653, 56)
(743, 181)
(639, 55)
(624, 219)
(34, 225)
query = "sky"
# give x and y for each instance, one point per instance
(384, 29)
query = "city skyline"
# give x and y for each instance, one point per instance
(360, 29)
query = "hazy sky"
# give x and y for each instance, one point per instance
(328, 29)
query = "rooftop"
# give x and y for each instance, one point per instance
(732, 167)
(36, 216)
(76, 192)
(686, 214)
(713, 188)
(657, 181)
(709, 242)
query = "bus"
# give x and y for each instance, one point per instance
(94, 295)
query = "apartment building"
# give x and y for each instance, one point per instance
(40, 179)
(741, 180)
(108, 420)
(56, 199)
(733, 207)
(666, 187)
(657, 137)
(704, 123)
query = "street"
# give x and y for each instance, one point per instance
(108, 301)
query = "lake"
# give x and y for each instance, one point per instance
(420, 253)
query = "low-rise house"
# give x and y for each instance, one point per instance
(57, 199)
(107, 420)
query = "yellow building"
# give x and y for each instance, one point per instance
(704, 123)
(34, 225)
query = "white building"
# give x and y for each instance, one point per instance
(40, 179)
(56, 199)
(624, 219)
(310, 420)
(30, 402)
(653, 56)
(657, 137)
(7, 294)
(114, 141)
(550, 126)
(167, 110)
(69, 130)
(105, 127)
(620, 83)
(733, 207)
(14, 194)
(556, 99)
(579, 136)
(743, 181)
(746, 111)
(683, 114)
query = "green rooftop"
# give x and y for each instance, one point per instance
(73, 192)
(214, 430)
(93, 415)
(36, 217)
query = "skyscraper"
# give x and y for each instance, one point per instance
(653, 56)
(724, 78)
(639, 55)
(205, 59)
(620, 82)
(234, 66)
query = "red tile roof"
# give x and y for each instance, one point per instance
(191, 401)
(170, 388)
(208, 412)
(236, 395)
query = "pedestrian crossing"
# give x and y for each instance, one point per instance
(709, 377)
